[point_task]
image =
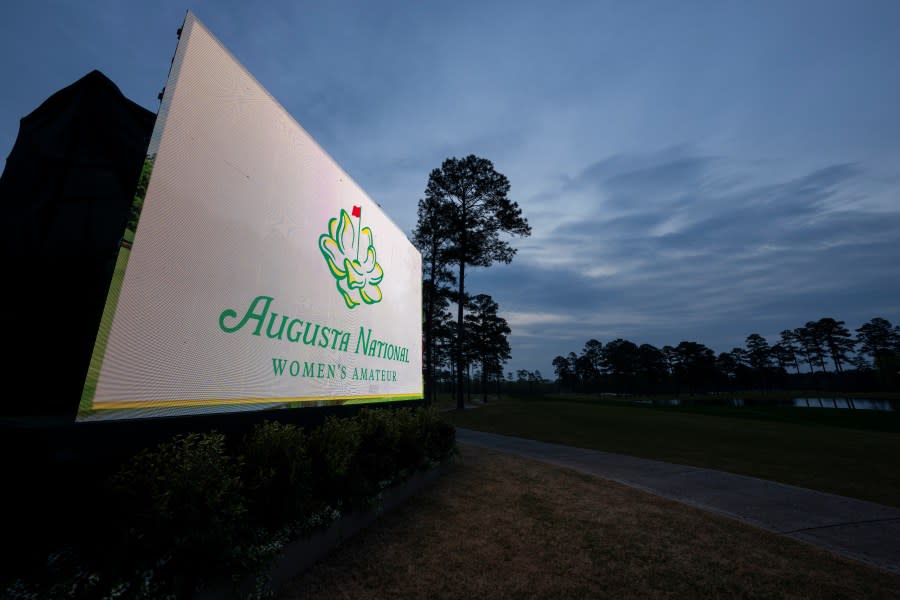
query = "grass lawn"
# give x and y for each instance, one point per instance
(852, 453)
(109, 309)
(499, 526)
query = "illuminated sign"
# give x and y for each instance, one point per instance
(254, 273)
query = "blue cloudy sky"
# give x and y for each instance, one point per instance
(691, 170)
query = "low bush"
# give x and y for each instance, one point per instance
(439, 436)
(333, 449)
(175, 503)
(277, 473)
(188, 512)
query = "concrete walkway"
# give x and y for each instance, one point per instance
(861, 530)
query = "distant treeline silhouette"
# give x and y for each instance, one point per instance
(821, 354)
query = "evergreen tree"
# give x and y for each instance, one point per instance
(488, 333)
(837, 340)
(472, 199)
(432, 242)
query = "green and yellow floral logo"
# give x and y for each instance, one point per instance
(357, 280)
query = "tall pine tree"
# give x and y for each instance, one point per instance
(472, 197)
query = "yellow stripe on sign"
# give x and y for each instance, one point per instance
(239, 401)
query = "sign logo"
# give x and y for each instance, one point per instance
(357, 280)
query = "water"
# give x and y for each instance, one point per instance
(679, 402)
(857, 403)
(811, 402)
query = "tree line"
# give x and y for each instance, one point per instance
(463, 221)
(822, 352)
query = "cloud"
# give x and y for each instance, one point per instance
(670, 246)
(689, 174)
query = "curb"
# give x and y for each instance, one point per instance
(302, 553)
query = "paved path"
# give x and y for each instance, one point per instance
(861, 530)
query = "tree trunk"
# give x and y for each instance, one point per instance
(460, 368)
(483, 381)
(429, 350)
(453, 382)
(836, 360)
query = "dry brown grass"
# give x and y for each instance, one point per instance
(499, 526)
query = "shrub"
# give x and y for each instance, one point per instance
(438, 436)
(277, 474)
(333, 449)
(177, 503)
(411, 446)
(353, 459)
(379, 435)
(186, 513)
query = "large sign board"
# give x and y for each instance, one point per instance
(254, 273)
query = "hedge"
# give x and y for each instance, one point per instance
(201, 508)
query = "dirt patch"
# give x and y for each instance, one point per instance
(499, 526)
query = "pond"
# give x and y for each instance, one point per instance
(857, 403)
(804, 402)
(680, 402)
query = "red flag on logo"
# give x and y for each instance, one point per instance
(356, 211)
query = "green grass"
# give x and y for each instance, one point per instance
(112, 299)
(870, 420)
(852, 453)
(755, 395)
(447, 401)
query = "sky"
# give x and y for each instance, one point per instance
(691, 171)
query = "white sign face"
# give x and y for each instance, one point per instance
(259, 274)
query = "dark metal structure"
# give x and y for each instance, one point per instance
(65, 195)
